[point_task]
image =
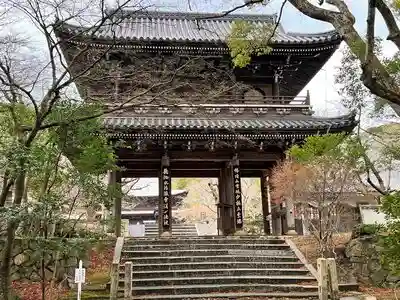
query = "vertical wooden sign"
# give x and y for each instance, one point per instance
(238, 197)
(166, 197)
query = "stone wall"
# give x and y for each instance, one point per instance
(60, 258)
(363, 253)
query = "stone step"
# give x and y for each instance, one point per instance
(203, 240)
(174, 233)
(177, 230)
(209, 259)
(278, 279)
(217, 265)
(173, 227)
(248, 295)
(189, 246)
(200, 252)
(155, 225)
(189, 289)
(217, 272)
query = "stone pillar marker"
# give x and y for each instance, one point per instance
(165, 212)
(114, 179)
(290, 217)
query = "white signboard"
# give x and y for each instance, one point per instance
(80, 276)
(137, 230)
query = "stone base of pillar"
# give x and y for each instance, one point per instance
(291, 232)
(166, 234)
(240, 232)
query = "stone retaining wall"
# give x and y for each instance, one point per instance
(363, 253)
(61, 258)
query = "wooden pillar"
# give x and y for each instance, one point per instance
(276, 219)
(265, 202)
(165, 211)
(226, 205)
(237, 194)
(220, 207)
(114, 180)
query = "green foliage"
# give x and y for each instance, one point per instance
(391, 240)
(396, 4)
(182, 183)
(248, 39)
(334, 146)
(254, 224)
(366, 229)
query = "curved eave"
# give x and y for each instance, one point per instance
(151, 127)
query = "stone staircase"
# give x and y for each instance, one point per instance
(216, 267)
(178, 230)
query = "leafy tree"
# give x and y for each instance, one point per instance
(55, 187)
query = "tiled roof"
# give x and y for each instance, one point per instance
(192, 27)
(142, 123)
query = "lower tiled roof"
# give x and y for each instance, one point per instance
(142, 123)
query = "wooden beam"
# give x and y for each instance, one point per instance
(127, 155)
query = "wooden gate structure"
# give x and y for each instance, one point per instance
(192, 113)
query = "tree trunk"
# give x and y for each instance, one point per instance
(6, 186)
(6, 257)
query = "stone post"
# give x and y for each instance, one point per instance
(265, 202)
(290, 217)
(128, 281)
(114, 180)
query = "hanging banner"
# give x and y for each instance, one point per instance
(238, 197)
(166, 196)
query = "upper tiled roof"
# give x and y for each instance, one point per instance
(191, 27)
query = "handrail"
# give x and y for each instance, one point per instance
(114, 272)
(187, 105)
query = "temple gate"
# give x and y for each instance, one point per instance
(190, 113)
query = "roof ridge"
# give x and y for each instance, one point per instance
(194, 15)
(320, 33)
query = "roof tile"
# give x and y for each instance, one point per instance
(139, 123)
(192, 27)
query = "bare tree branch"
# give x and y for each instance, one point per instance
(391, 24)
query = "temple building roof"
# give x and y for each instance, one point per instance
(140, 123)
(151, 26)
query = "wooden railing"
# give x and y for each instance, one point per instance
(114, 272)
(279, 106)
(210, 100)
